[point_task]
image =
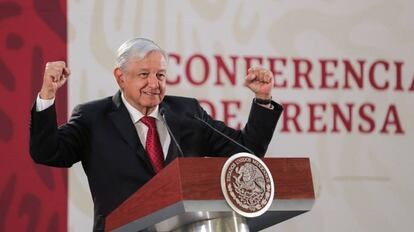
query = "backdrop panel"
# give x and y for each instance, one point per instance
(32, 197)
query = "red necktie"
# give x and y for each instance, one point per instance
(153, 145)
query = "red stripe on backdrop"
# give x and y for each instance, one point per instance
(32, 197)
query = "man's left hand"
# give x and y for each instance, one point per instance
(260, 81)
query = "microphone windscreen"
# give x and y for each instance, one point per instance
(162, 111)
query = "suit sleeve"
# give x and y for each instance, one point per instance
(53, 146)
(256, 135)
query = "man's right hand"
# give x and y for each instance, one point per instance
(56, 74)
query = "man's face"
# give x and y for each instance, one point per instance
(143, 81)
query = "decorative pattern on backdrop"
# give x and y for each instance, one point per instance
(32, 197)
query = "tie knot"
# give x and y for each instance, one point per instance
(148, 121)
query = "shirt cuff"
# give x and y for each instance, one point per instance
(42, 104)
(268, 106)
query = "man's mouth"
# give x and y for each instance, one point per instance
(151, 93)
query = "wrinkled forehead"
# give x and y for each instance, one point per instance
(153, 60)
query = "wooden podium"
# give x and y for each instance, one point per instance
(188, 191)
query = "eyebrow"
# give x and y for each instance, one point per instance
(147, 70)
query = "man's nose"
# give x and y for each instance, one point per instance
(153, 80)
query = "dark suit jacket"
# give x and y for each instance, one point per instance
(102, 136)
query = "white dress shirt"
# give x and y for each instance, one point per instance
(142, 129)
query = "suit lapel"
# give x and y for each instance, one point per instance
(123, 123)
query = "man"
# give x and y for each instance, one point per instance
(123, 140)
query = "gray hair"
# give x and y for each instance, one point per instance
(138, 48)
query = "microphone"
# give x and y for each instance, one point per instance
(162, 113)
(224, 135)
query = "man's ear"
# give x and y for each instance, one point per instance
(119, 77)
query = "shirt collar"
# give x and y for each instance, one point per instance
(135, 114)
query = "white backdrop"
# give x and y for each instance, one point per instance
(363, 167)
